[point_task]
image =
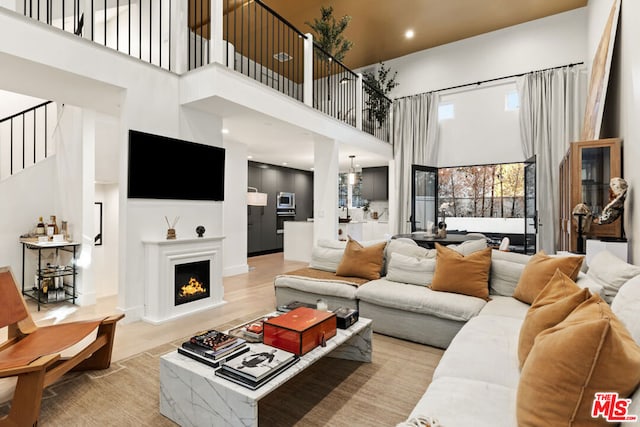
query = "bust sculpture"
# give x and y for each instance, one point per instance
(617, 194)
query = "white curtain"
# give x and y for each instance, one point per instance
(415, 141)
(551, 113)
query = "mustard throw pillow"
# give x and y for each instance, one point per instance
(538, 272)
(467, 275)
(553, 304)
(361, 261)
(590, 351)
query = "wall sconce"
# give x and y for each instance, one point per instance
(352, 172)
(255, 198)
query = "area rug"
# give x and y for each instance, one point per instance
(332, 392)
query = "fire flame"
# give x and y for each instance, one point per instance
(194, 287)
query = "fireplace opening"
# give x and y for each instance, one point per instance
(192, 282)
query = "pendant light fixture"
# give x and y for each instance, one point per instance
(352, 171)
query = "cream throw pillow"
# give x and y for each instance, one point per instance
(590, 351)
(611, 272)
(412, 270)
(467, 275)
(539, 270)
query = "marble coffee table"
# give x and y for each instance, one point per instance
(192, 395)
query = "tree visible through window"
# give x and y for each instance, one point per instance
(489, 191)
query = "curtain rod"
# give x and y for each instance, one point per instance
(492, 80)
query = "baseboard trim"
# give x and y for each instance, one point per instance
(235, 270)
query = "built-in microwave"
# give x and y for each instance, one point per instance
(286, 201)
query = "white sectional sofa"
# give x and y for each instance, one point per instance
(476, 382)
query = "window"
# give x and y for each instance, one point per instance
(343, 191)
(446, 111)
(512, 101)
(486, 191)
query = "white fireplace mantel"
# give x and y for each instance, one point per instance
(160, 259)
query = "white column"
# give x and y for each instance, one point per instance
(216, 44)
(325, 189)
(179, 36)
(87, 27)
(308, 70)
(359, 102)
(87, 290)
(393, 198)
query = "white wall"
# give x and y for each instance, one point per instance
(547, 42)
(481, 132)
(623, 102)
(105, 256)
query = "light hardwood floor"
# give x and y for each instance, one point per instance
(245, 294)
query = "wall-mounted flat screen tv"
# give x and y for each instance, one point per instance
(167, 168)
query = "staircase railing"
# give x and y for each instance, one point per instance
(25, 138)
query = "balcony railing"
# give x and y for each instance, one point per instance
(334, 87)
(376, 112)
(249, 37)
(264, 46)
(25, 138)
(139, 28)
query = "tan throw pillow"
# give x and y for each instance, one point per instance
(360, 261)
(590, 351)
(538, 272)
(554, 303)
(467, 275)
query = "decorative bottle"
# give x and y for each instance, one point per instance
(40, 229)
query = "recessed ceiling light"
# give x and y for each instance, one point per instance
(225, 131)
(409, 34)
(284, 163)
(312, 168)
(249, 157)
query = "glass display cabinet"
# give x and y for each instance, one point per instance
(585, 173)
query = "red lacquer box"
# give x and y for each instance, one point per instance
(300, 331)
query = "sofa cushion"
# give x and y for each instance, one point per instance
(538, 272)
(406, 247)
(361, 261)
(464, 402)
(411, 270)
(585, 282)
(335, 288)
(420, 299)
(327, 254)
(466, 275)
(504, 276)
(469, 246)
(590, 351)
(552, 305)
(626, 305)
(484, 343)
(611, 272)
(505, 306)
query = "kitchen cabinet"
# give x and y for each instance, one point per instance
(374, 230)
(585, 173)
(262, 220)
(375, 183)
(303, 187)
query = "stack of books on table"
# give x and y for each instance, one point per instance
(257, 366)
(213, 347)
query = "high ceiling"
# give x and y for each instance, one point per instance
(377, 27)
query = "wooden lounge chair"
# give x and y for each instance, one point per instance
(33, 354)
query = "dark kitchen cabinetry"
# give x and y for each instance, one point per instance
(303, 187)
(262, 220)
(375, 183)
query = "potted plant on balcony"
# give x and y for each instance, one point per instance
(328, 33)
(377, 86)
(328, 36)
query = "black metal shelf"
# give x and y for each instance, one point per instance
(50, 273)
